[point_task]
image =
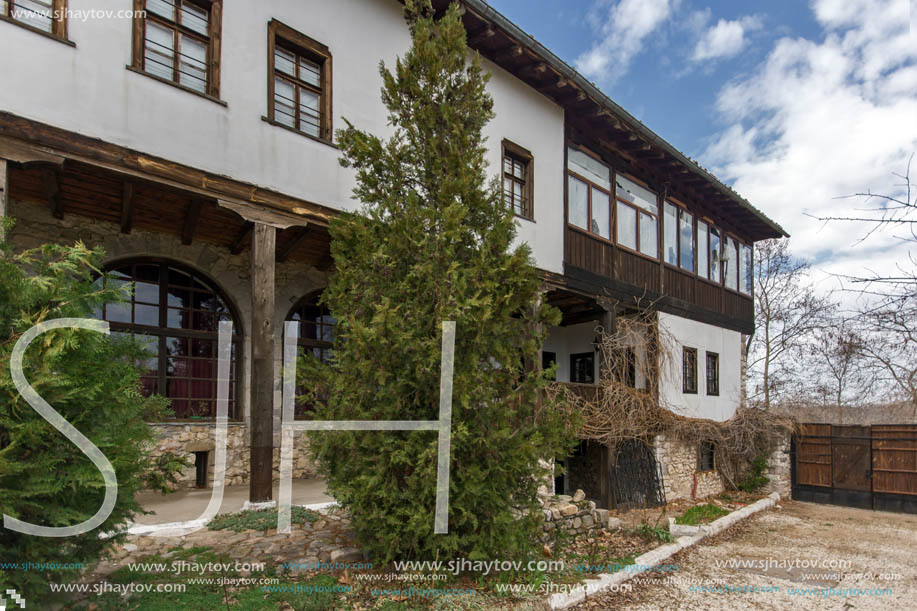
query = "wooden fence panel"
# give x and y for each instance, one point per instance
(894, 458)
(813, 455)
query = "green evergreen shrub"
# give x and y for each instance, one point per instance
(435, 242)
(92, 381)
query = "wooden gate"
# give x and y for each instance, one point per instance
(872, 467)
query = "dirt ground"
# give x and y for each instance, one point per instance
(857, 554)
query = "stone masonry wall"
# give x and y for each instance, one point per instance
(778, 469)
(573, 515)
(679, 466)
(185, 439)
(35, 226)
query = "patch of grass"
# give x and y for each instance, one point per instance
(700, 514)
(258, 520)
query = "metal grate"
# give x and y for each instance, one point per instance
(636, 480)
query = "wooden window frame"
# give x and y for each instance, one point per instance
(638, 211)
(680, 209)
(573, 359)
(718, 281)
(525, 157)
(213, 41)
(713, 382)
(611, 199)
(162, 331)
(58, 26)
(688, 376)
(741, 284)
(739, 243)
(310, 48)
(705, 450)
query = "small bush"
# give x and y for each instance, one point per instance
(655, 532)
(700, 514)
(754, 479)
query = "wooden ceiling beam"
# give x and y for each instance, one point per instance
(509, 55)
(192, 217)
(238, 243)
(51, 181)
(284, 252)
(127, 206)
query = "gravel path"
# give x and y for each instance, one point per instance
(871, 545)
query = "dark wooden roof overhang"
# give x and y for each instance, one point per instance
(588, 111)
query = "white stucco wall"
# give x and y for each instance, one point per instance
(574, 339)
(703, 337)
(88, 89)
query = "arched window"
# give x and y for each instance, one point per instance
(177, 313)
(316, 334)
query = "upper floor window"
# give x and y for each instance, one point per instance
(588, 193)
(716, 255)
(703, 249)
(689, 370)
(746, 269)
(637, 213)
(47, 16)
(179, 41)
(517, 179)
(678, 237)
(713, 374)
(731, 263)
(299, 82)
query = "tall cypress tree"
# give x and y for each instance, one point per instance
(434, 242)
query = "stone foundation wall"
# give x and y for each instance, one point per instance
(679, 466)
(573, 515)
(185, 439)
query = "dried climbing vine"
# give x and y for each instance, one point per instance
(626, 405)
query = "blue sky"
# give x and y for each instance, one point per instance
(793, 102)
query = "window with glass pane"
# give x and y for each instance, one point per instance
(730, 263)
(715, 255)
(579, 202)
(300, 82)
(686, 240)
(649, 241)
(703, 251)
(670, 234)
(689, 370)
(713, 374)
(588, 197)
(637, 224)
(746, 270)
(517, 188)
(175, 314)
(177, 42)
(601, 213)
(43, 15)
(316, 335)
(627, 226)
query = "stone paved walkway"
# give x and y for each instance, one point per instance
(329, 539)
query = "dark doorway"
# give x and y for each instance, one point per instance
(636, 480)
(201, 465)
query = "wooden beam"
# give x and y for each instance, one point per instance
(127, 206)
(192, 216)
(45, 139)
(536, 71)
(4, 193)
(49, 178)
(264, 241)
(508, 55)
(287, 249)
(485, 34)
(238, 244)
(259, 214)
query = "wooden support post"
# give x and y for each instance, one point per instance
(606, 456)
(4, 194)
(264, 238)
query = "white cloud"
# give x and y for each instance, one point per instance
(725, 39)
(820, 119)
(623, 27)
